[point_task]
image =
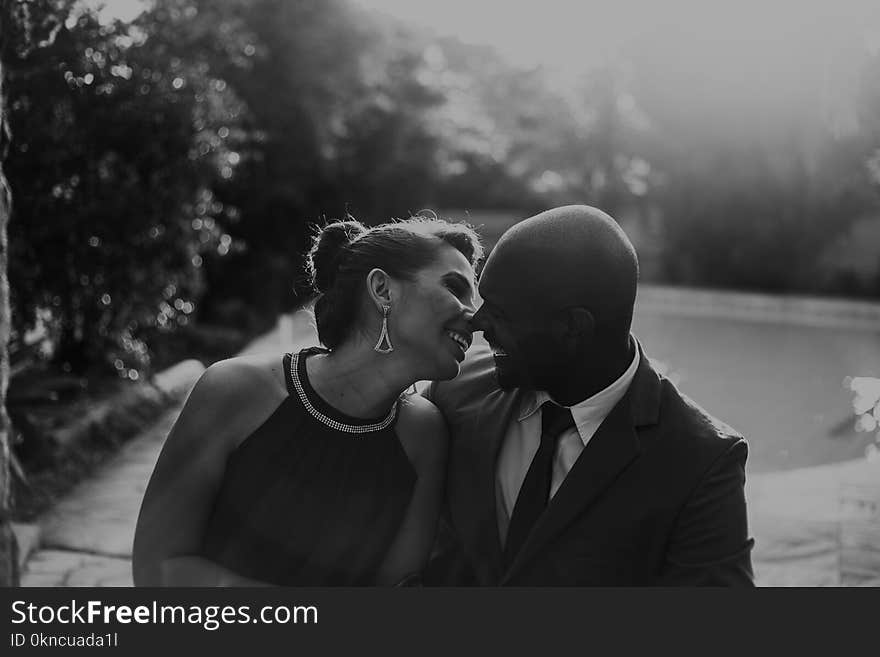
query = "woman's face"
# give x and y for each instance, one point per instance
(429, 319)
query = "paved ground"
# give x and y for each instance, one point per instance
(86, 539)
(809, 523)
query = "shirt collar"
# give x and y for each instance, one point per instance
(589, 411)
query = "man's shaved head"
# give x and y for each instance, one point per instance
(574, 255)
(558, 292)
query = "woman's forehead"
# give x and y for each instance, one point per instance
(449, 259)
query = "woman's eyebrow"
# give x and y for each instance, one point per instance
(461, 279)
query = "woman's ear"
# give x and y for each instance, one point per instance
(379, 287)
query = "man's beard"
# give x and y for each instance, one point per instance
(508, 375)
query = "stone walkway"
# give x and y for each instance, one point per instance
(804, 522)
(86, 539)
(799, 518)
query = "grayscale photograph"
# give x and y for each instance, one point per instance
(410, 293)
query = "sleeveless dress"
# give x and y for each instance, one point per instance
(313, 497)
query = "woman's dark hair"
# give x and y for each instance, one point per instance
(344, 252)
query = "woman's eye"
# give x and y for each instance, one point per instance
(456, 289)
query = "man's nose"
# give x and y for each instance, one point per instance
(477, 322)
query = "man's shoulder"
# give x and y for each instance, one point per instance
(692, 426)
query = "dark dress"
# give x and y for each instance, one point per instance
(313, 497)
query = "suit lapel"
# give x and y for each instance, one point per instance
(611, 449)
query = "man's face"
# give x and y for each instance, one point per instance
(517, 329)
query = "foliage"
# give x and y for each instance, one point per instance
(168, 170)
(118, 143)
(341, 107)
(762, 217)
(755, 185)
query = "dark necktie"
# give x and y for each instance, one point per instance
(535, 490)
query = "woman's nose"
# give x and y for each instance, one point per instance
(468, 308)
(468, 312)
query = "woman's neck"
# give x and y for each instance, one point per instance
(357, 380)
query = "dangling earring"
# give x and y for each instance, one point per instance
(384, 338)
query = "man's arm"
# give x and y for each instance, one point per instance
(710, 545)
(447, 565)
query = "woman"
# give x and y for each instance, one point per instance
(316, 469)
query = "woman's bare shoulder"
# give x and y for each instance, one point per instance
(247, 375)
(234, 396)
(422, 430)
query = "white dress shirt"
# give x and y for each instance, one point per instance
(524, 435)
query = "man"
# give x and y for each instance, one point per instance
(634, 485)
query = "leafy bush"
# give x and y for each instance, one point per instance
(118, 143)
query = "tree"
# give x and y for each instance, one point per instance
(760, 165)
(25, 25)
(121, 141)
(339, 112)
(8, 551)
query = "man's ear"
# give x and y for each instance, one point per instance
(580, 321)
(379, 287)
(574, 327)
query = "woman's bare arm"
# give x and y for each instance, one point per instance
(199, 571)
(422, 431)
(230, 400)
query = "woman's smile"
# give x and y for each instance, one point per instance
(462, 340)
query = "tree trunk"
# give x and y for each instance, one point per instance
(8, 546)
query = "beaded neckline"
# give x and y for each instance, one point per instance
(300, 385)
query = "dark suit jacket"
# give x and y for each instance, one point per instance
(656, 497)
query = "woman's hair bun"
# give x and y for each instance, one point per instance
(328, 246)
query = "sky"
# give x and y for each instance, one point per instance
(785, 52)
(565, 35)
(760, 61)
